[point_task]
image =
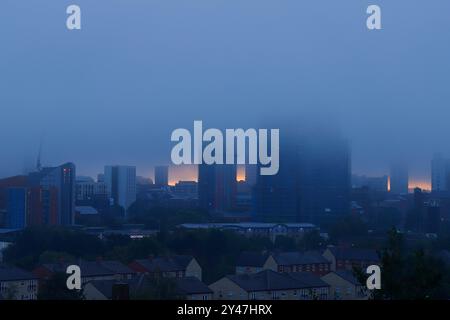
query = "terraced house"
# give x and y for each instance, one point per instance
(17, 284)
(348, 258)
(90, 270)
(306, 261)
(345, 286)
(176, 266)
(270, 285)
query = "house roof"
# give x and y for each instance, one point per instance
(184, 286)
(354, 254)
(191, 285)
(115, 266)
(268, 280)
(251, 259)
(308, 279)
(166, 264)
(10, 273)
(104, 287)
(297, 258)
(348, 276)
(92, 268)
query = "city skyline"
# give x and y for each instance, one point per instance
(189, 173)
(128, 85)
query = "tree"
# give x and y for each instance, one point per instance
(347, 227)
(284, 243)
(26, 251)
(407, 275)
(311, 241)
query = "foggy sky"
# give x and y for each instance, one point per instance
(113, 92)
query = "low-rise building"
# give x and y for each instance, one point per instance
(90, 270)
(254, 262)
(269, 285)
(250, 229)
(176, 266)
(296, 261)
(188, 288)
(191, 288)
(17, 284)
(307, 261)
(349, 258)
(345, 286)
(314, 288)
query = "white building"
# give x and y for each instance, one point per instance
(121, 185)
(87, 188)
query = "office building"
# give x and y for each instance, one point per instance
(377, 184)
(185, 188)
(44, 197)
(440, 173)
(162, 176)
(217, 187)
(398, 179)
(56, 182)
(251, 174)
(16, 208)
(121, 185)
(88, 189)
(313, 182)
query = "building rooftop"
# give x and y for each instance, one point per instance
(184, 286)
(348, 276)
(297, 258)
(268, 280)
(92, 268)
(191, 285)
(6, 231)
(354, 254)
(252, 259)
(308, 279)
(10, 273)
(105, 287)
(166, 264)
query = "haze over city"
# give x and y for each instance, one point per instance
(134, 73)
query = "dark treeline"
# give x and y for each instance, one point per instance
(215, 250)
(410, 269)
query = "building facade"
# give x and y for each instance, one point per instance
(121, 185)
(217, 187)
(44, 197)
(270, 285)
(17, 284)
(162, 176)
(312, 184)
(440, 174)
(398, 179)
